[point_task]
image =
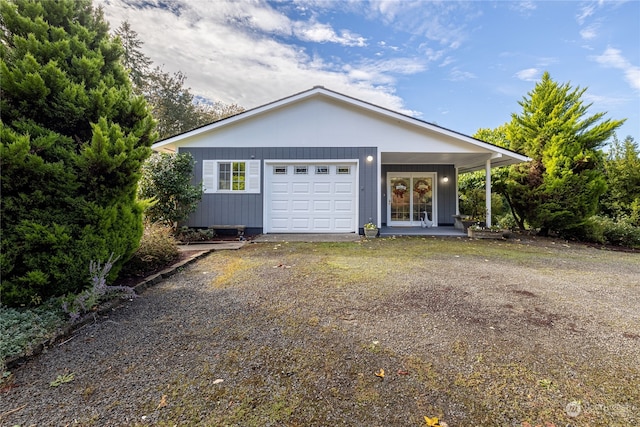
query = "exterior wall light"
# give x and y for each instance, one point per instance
(369, 158)
(445, 179)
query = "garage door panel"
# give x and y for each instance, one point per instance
(343, 224)
(300, 188)
(301, 224)
(280, 224)
(280, 188)
(322, 224)
(322, 188)
(313, 203)
(344, 206)
(300, 206)
(343, 188)
(322, 206)
(280, 205)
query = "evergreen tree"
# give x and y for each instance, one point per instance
(559, 189)
(622, 170)
(73, 139)
(133, 59)
(173, 105)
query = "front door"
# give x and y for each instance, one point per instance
(410, 198)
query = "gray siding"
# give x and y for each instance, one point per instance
(446, 191)
(247, 209)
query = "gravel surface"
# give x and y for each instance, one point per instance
(477, 333)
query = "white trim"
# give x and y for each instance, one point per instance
(434, 197)
(210, 175)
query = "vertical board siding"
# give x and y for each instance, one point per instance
(446, 191)
(247, 209)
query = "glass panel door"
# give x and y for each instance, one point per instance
(400, 197)
(422, 200)
(411, 199)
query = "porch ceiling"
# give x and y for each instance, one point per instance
(465, 162)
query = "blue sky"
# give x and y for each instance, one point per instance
(461, 65)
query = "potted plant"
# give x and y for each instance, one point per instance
(494, 232)
(370, 230)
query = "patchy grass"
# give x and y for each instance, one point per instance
(473, 332)
(313, 301)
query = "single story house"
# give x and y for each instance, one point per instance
(323, 162)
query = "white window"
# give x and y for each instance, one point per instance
(322, 170)
(231, 176)
(343, 170)
(301, 170)
(280, 170)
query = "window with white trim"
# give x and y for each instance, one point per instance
(322, 170)
(301, 170)
(343, 170)
(279, 170)
(231, 176)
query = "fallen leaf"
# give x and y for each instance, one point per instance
(218, 381)
(163, 402)
(431, 422)
(380, 373)
(401, 372)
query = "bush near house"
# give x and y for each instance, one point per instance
(73, 140)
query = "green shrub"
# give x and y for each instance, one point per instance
(157, 248)
(604, 230)
(21, 328)
(622, 233)
(166, 179)
(72, 142)
(187, 234)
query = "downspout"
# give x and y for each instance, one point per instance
(487, 187)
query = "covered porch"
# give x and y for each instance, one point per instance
(416, 185)
(441, 231)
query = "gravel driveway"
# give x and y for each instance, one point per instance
(297, 334)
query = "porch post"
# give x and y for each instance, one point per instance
(379, 189)
(455, 182)
(487, 188)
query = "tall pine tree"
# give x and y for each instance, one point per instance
(73, 141)
(559, 189)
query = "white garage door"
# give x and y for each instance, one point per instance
(310, 198)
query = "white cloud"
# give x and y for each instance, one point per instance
(233, 52)
(448, 60)
(590, 32)
(457, 75)
(523, 7)
(585, 12)
(440, 22)
(613, 58)
(322, 33)
(528, 74)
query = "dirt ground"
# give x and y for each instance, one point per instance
(380, 332)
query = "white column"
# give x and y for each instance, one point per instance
(455, 182)
(487, 188)
(378, 190)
